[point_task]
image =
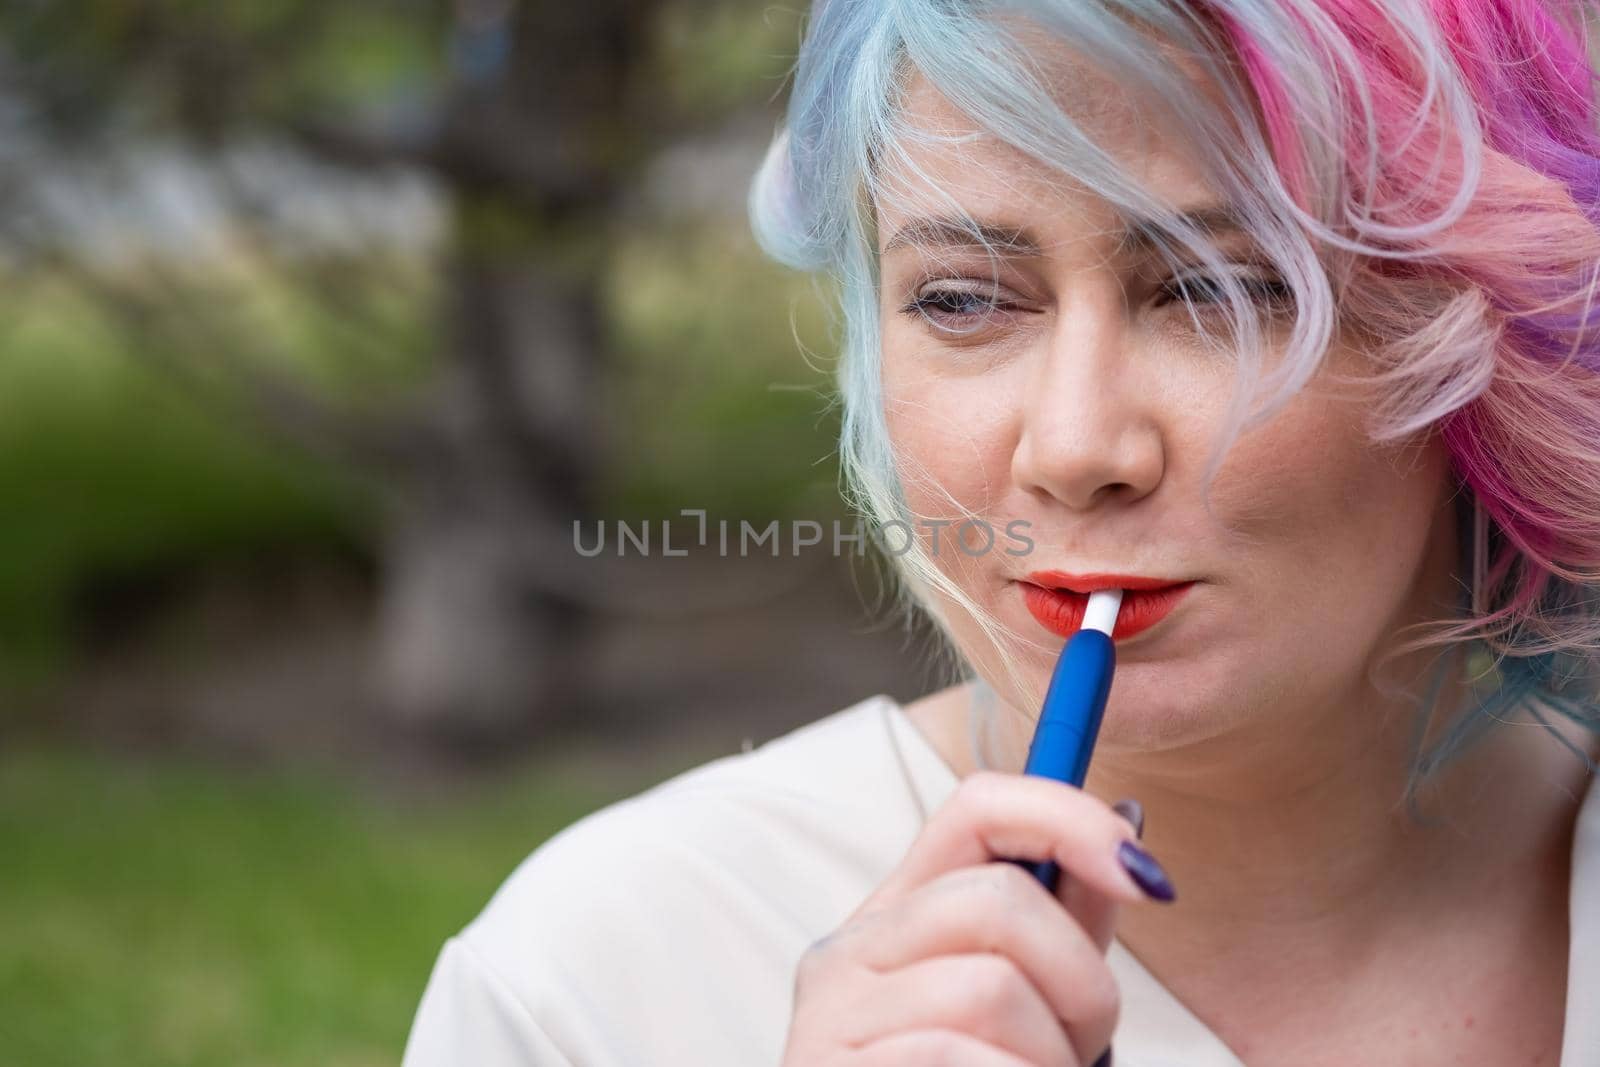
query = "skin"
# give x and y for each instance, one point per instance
(1318, 924)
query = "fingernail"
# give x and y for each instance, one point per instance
(1103, 1061)
(1133, 811)
(1143, 869)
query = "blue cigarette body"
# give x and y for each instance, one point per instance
(1063, 740)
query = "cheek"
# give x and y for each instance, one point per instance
(952, 437)
(1334, 526)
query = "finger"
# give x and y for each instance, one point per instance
(947, 1047)
(981, 993)
(1096, 912)
(994, 816)
(998, 908)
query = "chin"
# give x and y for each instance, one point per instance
(1134, 727)
(1165, 706)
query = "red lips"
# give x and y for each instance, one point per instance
(1058, 600)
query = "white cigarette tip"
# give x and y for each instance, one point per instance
(1101, 614)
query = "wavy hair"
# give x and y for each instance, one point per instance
(1426, 169)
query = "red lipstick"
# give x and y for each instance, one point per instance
(1058, 600)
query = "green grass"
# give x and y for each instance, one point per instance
(175, 915)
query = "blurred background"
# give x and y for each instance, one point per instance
(321, 323)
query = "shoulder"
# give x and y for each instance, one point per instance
(665, 927)
(819, 787)
(776, 843)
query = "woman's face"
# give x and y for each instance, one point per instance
(1086, 405)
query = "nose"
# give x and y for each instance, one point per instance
(1091, 431)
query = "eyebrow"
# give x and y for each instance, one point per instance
(1138, 236)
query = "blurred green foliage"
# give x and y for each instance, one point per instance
(716, 397)
(177, 915)
(108, 465)
(200, 64)
(720, 391)
(717, 57)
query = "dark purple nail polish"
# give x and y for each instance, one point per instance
(1104, 1060)
(1143, 869)
(1133, 811)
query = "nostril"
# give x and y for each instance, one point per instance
(1114, 491)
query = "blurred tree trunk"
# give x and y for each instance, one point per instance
(477, 642)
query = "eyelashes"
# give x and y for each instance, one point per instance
(952, 310)
(958, 311)
(1265, 291)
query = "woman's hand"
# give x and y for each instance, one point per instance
(958, 959)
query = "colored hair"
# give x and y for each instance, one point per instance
(1428, 170)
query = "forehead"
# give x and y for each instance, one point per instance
(949, 160)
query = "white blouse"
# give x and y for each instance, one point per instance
(665, 929)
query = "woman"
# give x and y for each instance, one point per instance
(1285, 307)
